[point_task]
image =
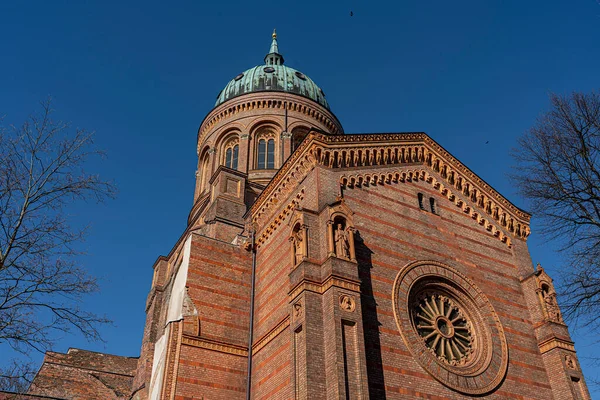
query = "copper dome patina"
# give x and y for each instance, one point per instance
(272, 76)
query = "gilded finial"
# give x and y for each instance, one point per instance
(274, 58)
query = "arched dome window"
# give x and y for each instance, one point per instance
(204, 172)
(229, 151)
(266, 154)
(298, 135)
(231, 156)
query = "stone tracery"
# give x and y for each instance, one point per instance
(450, 327)
(444, 328)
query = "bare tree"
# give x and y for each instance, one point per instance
(558, 170)
(41, 280)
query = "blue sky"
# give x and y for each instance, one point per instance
(143, 76)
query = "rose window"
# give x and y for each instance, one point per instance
(450, 327)
(444, 329)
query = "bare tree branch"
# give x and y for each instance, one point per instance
(42, 173)
(558, 171)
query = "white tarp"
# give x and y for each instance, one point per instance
(174, 313)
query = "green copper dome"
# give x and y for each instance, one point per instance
(272, 76)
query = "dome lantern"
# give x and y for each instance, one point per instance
(274, 58)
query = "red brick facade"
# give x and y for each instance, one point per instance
(328, 320)
(384, 269)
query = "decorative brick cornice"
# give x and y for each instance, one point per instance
(495, 227)
(442, 170)
(262, 237)
(274, 100)
(556, 343)
(214, 345)
(272, 334)
(321, 288)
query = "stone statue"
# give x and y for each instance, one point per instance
(552, 308)
(297, 240)
(342, 245)
(570, 362)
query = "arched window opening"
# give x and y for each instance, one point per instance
(298, 136)
(204, 173)
(266, 154)
(545, 291)
(271, 154)
(228, 157)
(432, 205)
(262, 149)
(421, 205)
(231, 157)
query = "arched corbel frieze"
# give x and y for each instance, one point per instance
(489, 224)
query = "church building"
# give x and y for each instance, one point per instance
(318, 264)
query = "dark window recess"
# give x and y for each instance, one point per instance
(234, 162)
(300, 75)
(262, 149)
(269, 69)
(231, 157)
(238, 77)
(421, 206)
(432, 204)
(266, 154)
(270, 154)
(228, 158)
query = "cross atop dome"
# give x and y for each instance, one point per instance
(274, 58)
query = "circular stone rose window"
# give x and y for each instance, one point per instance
(444, 328)
(450, 327)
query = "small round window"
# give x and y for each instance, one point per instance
(269, 69)
(300, 75)
(238, 77)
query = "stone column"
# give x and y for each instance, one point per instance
(304, 229)
(330, 244)
(244, 154)
(351, 231)
(286, 146)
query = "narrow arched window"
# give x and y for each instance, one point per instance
(231, 157)
(205, 173)
(262, 150)
(234, 161)
(432, 204)
(420, 196)
(266, 154)
(298, 136)
(228, 157)
(271, 154)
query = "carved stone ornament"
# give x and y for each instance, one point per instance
(450, 327)
(570, 362)
(298, 310)
(347, 303)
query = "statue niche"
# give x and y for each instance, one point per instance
(342, 244)
(550, 304)
(299, 244)
(547, 296)
(341, 238)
